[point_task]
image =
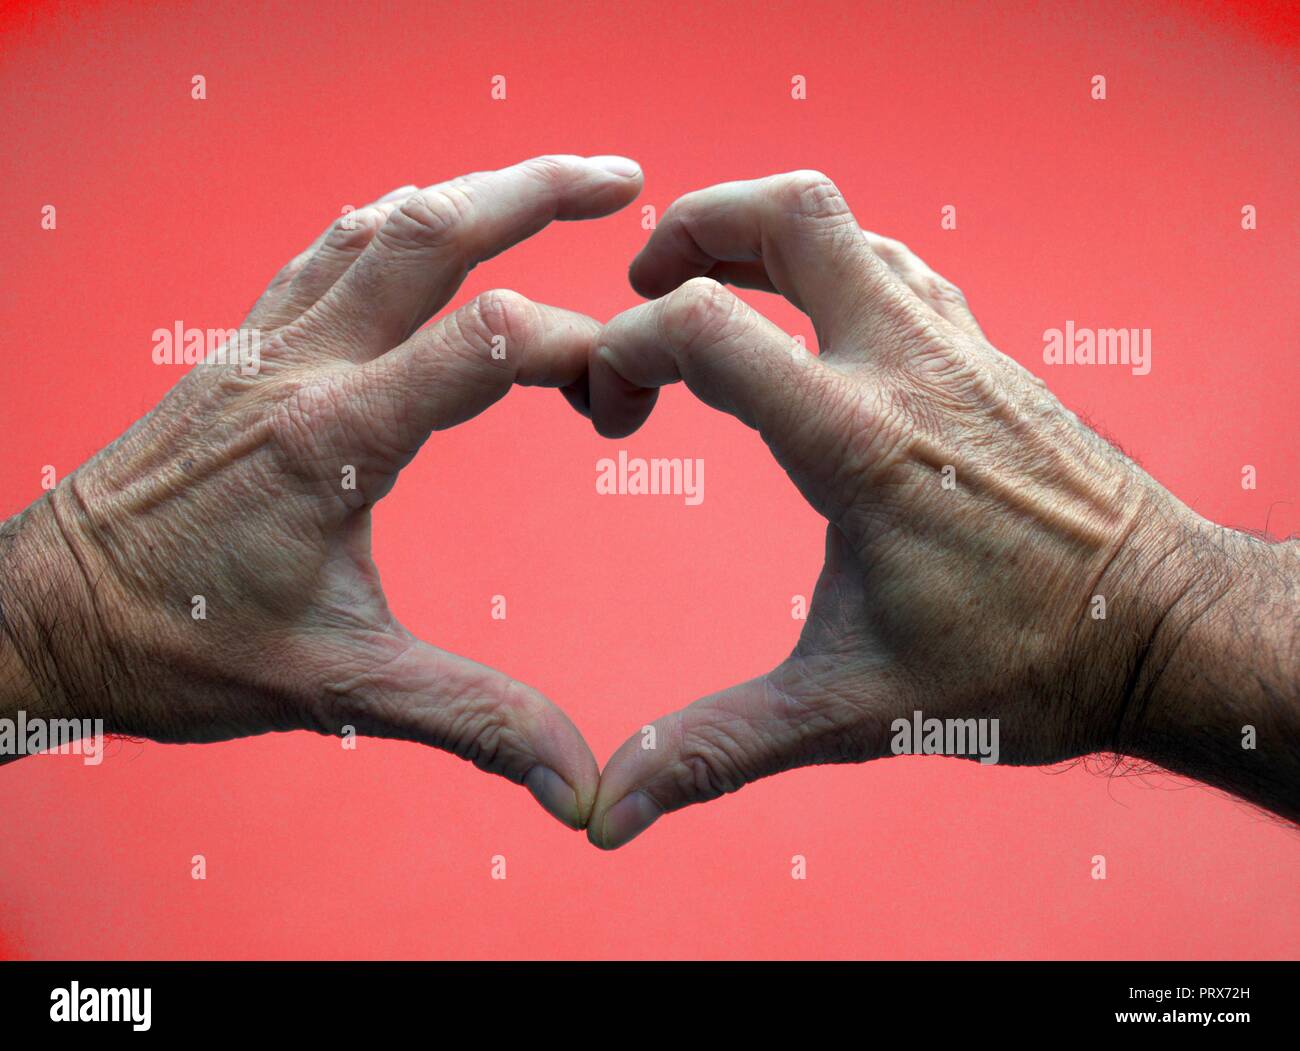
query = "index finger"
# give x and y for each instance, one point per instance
(422, 253)
(797, 226)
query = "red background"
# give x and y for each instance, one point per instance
(1117, 213)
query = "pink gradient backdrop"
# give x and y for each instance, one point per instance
(1116, 213)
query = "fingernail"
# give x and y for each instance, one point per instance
(554, 794)
(401, 191)
(628, 818)
(624, 167)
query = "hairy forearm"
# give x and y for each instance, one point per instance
(1217, 696)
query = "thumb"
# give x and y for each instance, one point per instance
(409, 690)
(791, 717)
(735, 360)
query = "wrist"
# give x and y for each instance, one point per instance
(53, 654)
(1212, 686)
(18, 689)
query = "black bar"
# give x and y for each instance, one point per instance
(599, 1001)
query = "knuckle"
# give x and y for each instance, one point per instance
(354, 229)
(896, 254)
(478, 735)
(685, 211)
(488, 337)
(548, 169)
(500, 314)
(706, 770)
(944, 291)
(288, 272)
(809, 194)
(487, 732)
(697, 313)
(435, 218)
(718, 752)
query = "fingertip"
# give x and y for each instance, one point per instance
(627, 420)
(578, 395)
(617, 165)
(624, 821)
(645, 282)
(587, 798)
(618, 406)
(565, 777)
(594, 187)
(555, 796)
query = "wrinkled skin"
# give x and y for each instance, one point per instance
(967, 601)
(971, 520)
(233, 489)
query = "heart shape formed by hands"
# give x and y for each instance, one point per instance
(970, 518)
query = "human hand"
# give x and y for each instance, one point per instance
(972, 522)
(253, 494)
